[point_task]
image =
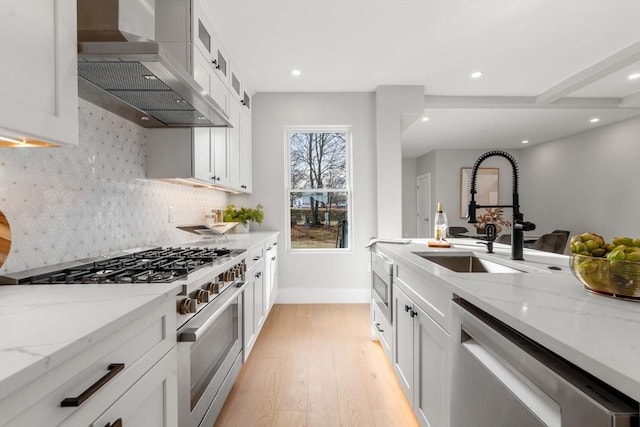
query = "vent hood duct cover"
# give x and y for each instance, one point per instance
(134, 77)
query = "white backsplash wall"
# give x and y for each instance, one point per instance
(65, 204)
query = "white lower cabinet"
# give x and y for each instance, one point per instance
(271, 273)
(254, 308)
(421, 360)
(382, 330)
(139, 356)
(152, 401)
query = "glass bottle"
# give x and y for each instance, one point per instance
(440, 224)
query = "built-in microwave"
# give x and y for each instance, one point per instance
(382, 284)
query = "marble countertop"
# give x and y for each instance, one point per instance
(41, 326)
(599, 334)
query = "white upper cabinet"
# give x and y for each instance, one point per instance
(38, 76)
(205, 39)
(220, 157)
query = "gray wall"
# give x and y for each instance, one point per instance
(586, 182)
(316, 276)
(445, 165)
(409, 203)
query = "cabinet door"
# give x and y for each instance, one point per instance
(152, 401)
(249, 316)
(403, 341)
(39, 74)
(235, 112)
(431, 371)
(202, 155)
(259, 315)
(272, 274)
(219, 152)
(245, 150)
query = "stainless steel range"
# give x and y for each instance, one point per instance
(209, 312)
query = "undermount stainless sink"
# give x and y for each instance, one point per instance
(467, 263)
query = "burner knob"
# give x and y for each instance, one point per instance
(186, 306)
(214, 287)
(202, 295)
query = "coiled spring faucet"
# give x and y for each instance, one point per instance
(519, 225)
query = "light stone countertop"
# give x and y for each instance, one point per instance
(41, 326)
(599, 334)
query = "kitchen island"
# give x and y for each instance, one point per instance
(598, 334)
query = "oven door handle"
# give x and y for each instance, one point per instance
(192, 334)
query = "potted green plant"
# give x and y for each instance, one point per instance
(243, 216)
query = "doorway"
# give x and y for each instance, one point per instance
(423, 202)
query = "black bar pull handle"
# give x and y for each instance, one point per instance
(116, 423)
(113, 368)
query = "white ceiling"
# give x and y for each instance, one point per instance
(537, 58)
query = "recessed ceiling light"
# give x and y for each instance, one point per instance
(525, 141)
(296, 72)
(476, 75)
(425, 119)
(150, 77)
(594, 120)
(634, 76)
(144, 118)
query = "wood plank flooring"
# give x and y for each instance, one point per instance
(315, 365)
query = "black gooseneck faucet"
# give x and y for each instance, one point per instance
(519, 225)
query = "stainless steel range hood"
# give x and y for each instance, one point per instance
(135, 77)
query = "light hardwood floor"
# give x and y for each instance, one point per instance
(315, 365)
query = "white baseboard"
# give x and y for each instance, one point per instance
(323, 296)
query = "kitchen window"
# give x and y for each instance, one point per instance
(319, 188)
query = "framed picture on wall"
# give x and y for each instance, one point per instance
(486, 188)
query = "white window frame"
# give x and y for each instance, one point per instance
(348, 188)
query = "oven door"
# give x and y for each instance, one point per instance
(382, 284)
(209, 348)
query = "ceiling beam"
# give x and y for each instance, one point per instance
(631, 101)
(439, 101)
(613, 63)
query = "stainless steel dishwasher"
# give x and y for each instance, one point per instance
(501, 378)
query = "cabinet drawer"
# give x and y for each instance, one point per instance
(152, 401)
(382, 329)
(426, 291)
(255, 256)
(137, 345)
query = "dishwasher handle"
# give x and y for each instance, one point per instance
(530, 395)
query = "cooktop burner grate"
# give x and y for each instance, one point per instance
(159, 265)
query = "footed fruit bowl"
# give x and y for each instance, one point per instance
(619, 279)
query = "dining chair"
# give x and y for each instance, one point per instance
(504, 239)
(551, 242)
(457, 231)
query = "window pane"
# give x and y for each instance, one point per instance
(319, 220)
(318, 160)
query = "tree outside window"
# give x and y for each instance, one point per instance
(319, 195)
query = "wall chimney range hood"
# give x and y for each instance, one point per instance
(133, 76)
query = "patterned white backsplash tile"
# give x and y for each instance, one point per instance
(65, 204)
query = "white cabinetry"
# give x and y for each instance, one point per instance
(271, 273)
(38, 77)
(421, 361)
(145, 403)
(421, 354)
(254, 307)
(131, 375)
(218, 156)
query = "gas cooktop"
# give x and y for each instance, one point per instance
(157, 265)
